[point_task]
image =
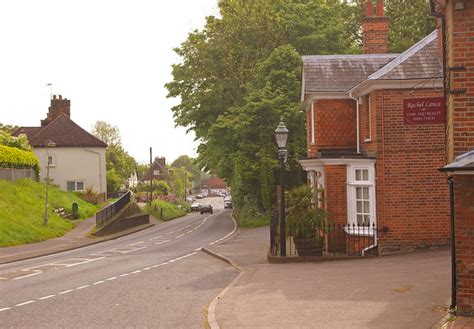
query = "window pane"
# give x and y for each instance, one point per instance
(71, 186)
(358, 193)
(359, 207)
(365, 174)
(50, 160)
(360, 219)
(366, 207)
(79, 186)
(358, 175)
(366, 193)
(366, 220)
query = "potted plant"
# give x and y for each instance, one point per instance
(305, 220)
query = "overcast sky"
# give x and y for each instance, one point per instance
(111, 58)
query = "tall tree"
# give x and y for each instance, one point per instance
(107, 133)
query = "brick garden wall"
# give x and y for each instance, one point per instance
(464, 223)
(412, 195)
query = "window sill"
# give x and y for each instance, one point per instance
(359, 231)
(367, 140)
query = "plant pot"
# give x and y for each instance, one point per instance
(308, 247)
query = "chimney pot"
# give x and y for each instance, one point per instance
(369, 8)
(380, 8)
(54, 96)
(60, 97)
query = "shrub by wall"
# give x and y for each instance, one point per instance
(11, 157)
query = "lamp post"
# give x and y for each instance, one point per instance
(185, 181)
(47, 144)
(281, 136)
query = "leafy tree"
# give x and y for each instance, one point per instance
(107, 133)
(20, 142)
(120, 165)
(8, 128)
(194, 173)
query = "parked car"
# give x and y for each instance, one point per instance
(228, 204)
(199, 196)
(206, 208)
(195, 206)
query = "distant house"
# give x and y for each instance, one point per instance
(157, 170)
(76, 158)
(376, 138)
(213, 185)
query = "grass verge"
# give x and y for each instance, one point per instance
(250, 219)
(164, 210)
(22, 212)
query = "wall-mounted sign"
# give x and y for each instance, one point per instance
(424, 111)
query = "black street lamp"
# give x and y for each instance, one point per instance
(281, 136)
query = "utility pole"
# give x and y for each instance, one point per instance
(152, 174)
(185, 181)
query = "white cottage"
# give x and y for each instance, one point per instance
(76, 158)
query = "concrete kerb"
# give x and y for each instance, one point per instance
(211, 321)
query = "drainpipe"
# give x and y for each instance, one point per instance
(357, 121)
(453, 246)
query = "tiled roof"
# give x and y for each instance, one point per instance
(421, 61)
(63, 132)
(339, 73)
(461, 163)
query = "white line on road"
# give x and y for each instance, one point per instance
(83, 287)
(138, 271)
(179, 236)
(46, 297)
(98, 282)
(110, 279)
(65, 292)
(122, 275)
(25, 303)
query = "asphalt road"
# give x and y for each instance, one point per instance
(155, 278)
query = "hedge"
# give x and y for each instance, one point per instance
(11, 157)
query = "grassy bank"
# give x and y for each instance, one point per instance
(170, 210)
(250, 218)
(22, 212)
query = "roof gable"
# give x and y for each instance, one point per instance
(64, 133)
(421, 61)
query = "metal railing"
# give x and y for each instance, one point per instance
(103, 216)
(331, 239)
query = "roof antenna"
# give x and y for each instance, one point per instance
(50, 85)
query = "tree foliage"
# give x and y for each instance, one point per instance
(241, 73)
(20, 142)
(194, 174)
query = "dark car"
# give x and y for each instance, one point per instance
(206, 208)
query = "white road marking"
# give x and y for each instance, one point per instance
(179, 236)
(98, 282)
(5, 309)
(46, 297)
(189, 231)
(25, 303)
(146, 268)
(197, 249)
(162, 242)
(137, 271)
(125, 274)
(110, 279)
(65, 292)
(83, 287)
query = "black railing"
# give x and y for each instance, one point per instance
(103, 216)
(331, 239)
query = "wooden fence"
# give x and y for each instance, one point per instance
(12, 174)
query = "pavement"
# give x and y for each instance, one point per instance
(401, 291)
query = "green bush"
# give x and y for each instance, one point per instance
(170, 210)
(11, 157)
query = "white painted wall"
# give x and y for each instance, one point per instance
(75, 164)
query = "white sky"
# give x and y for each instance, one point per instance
(111, 58)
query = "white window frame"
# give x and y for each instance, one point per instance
(53, 161)
(353, 227)
(75, 185)
(369, 125)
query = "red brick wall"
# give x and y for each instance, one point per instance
(58, 106)
(336, 193)
(375, 35)
(464, 224)
(412, 195)
(335, 125)
(460, 54)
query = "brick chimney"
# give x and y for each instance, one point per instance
(375, 29)
(58, 106)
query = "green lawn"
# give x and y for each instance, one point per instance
(246, 218)
(22, 212)
(170, 210)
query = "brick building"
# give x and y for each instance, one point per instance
(376, 138)
(459, 88)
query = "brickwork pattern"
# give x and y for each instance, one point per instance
(412, 195)
(336, 194)
(375, 35)
(335, 125)
(464, 224)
